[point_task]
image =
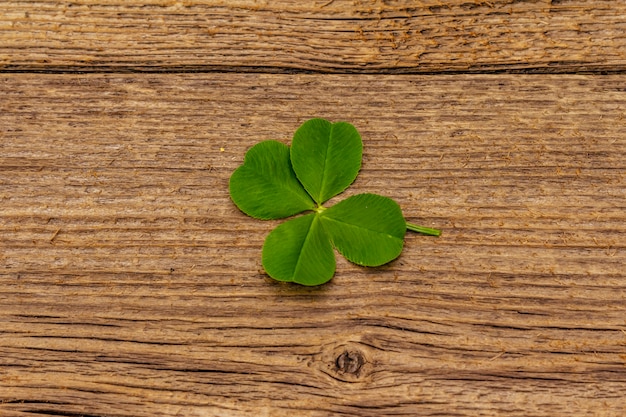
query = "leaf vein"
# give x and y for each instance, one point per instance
(300, 251)
(332, 219)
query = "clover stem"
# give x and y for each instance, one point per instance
(424, 230)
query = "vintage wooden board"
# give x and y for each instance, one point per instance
(336, 35)
(131, 285)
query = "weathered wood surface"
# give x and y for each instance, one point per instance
(324, 35)
(131, 286)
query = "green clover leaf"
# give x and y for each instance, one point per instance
(367, 229)
(265, 187)
(275, 182)
(299, 250)
(326, 157)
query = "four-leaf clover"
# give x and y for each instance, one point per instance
(276, 181)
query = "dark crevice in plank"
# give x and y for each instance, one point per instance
(564, 68)
(48, 412)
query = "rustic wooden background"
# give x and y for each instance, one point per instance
(130, 285)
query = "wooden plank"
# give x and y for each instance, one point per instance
(327, 36)
(130, 285)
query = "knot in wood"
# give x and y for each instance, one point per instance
(350, 362)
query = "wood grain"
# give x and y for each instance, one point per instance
(327, 36)
(130, 285)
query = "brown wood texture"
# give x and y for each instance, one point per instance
(324, 35)
(130, 285)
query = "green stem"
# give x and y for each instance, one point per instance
(424, 230)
